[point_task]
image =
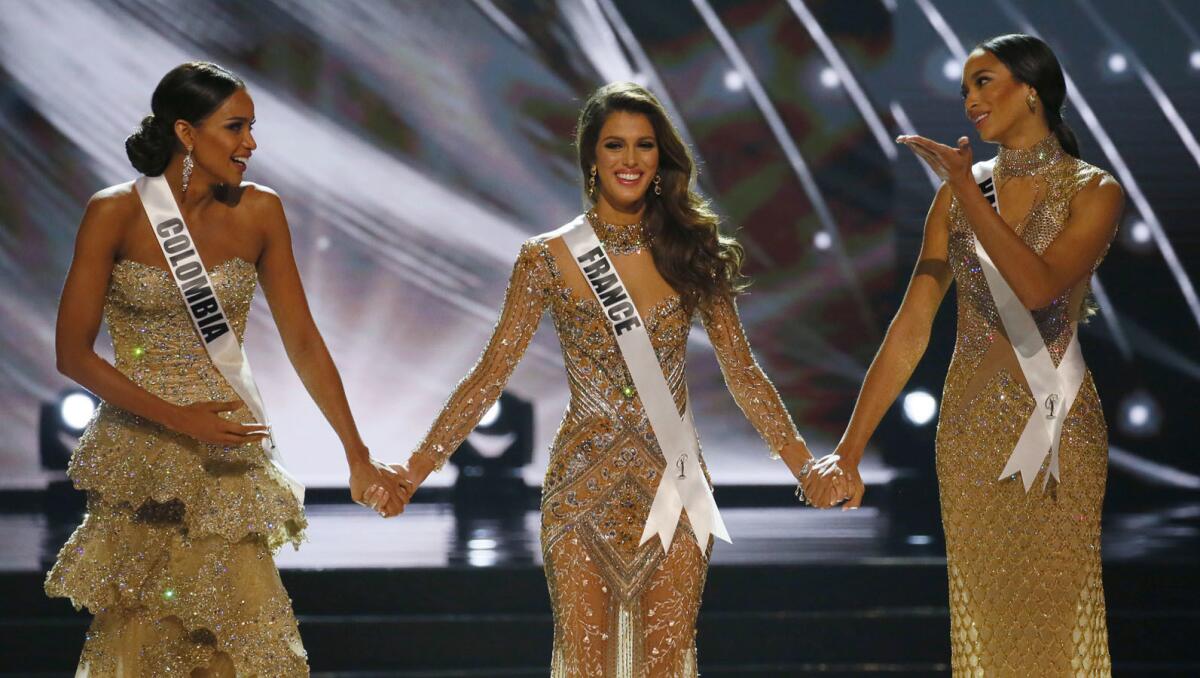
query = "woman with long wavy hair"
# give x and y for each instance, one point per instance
(623, 605)
(1022, 446)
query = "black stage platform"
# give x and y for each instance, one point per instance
(798, 593)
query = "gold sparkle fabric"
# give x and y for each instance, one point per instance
(620, 610)
(1026, 597)
(174, 557)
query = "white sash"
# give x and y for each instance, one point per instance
(204, 308)
(1054, 388)
(683, 485)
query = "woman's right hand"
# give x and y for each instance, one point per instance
(203, 421)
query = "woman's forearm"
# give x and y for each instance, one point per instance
(100, 377)
(317, 371)
(1029, 276)
(902, 349)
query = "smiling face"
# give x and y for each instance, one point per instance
(995, 101)
(223, 142)
(626, 161)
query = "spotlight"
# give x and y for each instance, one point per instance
(1117, 63)
(822, 240)
(829, 78)
(490, 460)
(323, 243)
(1194, 59)
(1138, 237)
(734, 81)
(60, 425)
(1139, 415)
(919, 407)
(951, 69)
(76, 410)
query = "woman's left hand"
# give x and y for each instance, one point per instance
(951, 164)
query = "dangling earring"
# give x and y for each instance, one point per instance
(1031, 101)
(657, 184)
(592, 184)
(188, 165)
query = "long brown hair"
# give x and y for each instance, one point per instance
(689, 250)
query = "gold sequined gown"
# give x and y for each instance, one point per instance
(1026, 597)
(620, 610)
(174, 557)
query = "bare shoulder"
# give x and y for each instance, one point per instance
(114, 204)
(259, 198)
(260, 207)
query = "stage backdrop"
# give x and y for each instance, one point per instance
(417, 144)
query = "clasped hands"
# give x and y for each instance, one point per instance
(384, 488)
(831, 480)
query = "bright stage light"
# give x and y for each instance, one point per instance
(829, 78)
(1117, 63)
(76, 410)
(1138, 237)
(822, 240)
(734, 81)
(1140, 415)
(323, 243)
(1194, 59)
(920, 407)
(951, 69)
(1140, 232)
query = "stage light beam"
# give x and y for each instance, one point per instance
(1117, 63)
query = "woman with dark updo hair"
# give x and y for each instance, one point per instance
(185, 507)
(1022, 446)
(625, 597)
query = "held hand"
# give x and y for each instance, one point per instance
(203, 421)
(824, 485)
(846, 466)
(951, 164)
(374, 485)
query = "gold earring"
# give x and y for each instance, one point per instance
(657, 184)
(1031, 102)
(592, 184)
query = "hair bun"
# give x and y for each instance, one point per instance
(149, 148)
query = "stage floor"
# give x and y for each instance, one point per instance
(431, 535)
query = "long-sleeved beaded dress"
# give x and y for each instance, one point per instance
(174, 557)
(1026, 597)
(620, 610)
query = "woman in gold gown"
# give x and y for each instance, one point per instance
(1026, 597)
(621, 609)
(174, 557)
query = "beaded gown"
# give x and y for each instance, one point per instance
(174, 556)
(620, 610)
(1026, 597)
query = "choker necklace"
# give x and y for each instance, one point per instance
(619, 238)
(1029, 161)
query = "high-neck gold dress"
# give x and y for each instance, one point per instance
(620, 610)
(174, 557)
(1026, 597)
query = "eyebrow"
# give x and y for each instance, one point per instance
(240, 118)
(979, 72)
(613, 137)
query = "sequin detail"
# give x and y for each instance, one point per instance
(1026, 598)
(174, 557)
(619, 239)
(620, 609)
